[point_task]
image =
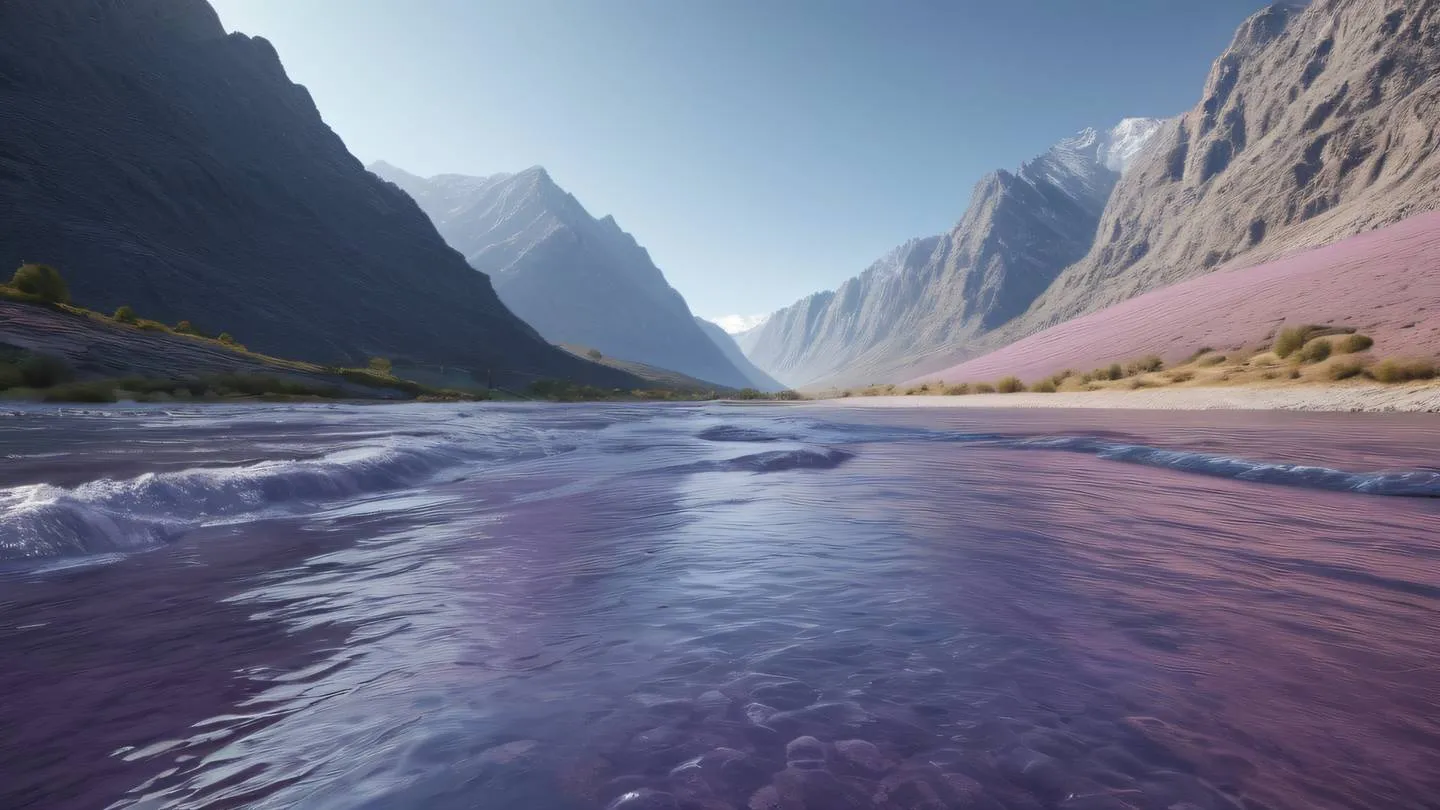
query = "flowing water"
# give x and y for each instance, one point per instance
(712, 607)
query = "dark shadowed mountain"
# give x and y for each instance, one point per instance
(928, 295)
(577, 279)
(162, 163)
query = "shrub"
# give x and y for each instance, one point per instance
(1115, 372)
(984, 388)
(152, 326)
(910, 392)
(1354, 343)
(1294, 373)
(43, 282)
(1009, 385)
(1046, 386)
(1086, 379)
(125, 314)
(227, 338)
(186, 328)
(11, 376)
(1180, 376)
(1315, 351)
(789, 396)
(1212, 360)
(593, 354)
(44, 371)
(1201, 352)
(1391, 370)
(380, 365)
(1344, 369)
(97, 391)
(1291, 340)
(1144, 365)
(958, 390)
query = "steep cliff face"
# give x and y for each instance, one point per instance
(927, 296)
(162, 163)
(1320, 121)
(577, 279)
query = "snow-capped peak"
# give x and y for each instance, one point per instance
(1126, 141)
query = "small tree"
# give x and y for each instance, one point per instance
(41, 281)
(380, 365)
(594, 354)
(1010, 385)
(124, 314)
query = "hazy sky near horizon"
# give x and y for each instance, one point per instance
(760, 149)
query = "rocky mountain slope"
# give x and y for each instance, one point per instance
(576, 279)
(1382, 283)
(928, 295)
(162, 163)
(1318, 122)
(758, 379)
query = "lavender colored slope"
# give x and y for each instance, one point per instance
(1386, 283)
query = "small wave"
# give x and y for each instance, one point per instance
(735, 433)
(127, 515)
(805, 458)
(1407, 484)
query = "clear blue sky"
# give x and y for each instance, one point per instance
(761, 149)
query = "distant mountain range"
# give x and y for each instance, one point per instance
(577, 279)
(928, 295)
(1319, 121)
(165, 164)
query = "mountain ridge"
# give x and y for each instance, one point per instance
(578, 279)
(165, 164)
(1020, 229)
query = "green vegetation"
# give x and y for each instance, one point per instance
(1351, 344)
(1291, 340)
(187, 328)
(42, 283)
(125, 314)
(1144, 365)
(380, 365)
(958, 390)
(1315, 351)
(1010, 385)
(1114, 372)
(984, 388)
(1045, 386)
(1391, 370)
(1345, 369)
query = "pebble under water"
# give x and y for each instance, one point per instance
(715, 607)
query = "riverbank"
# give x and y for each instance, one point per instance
(1362, 397)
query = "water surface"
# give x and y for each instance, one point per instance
(716, 607)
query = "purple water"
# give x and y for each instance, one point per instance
(711, 607)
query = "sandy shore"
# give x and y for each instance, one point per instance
(1373, 398)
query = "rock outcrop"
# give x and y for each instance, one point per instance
(929, 295)
(577, 279)
(165, 164)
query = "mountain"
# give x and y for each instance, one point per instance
(1381, 283)
(165, 164)
(758, 379)
(928, 295)
(1318, 122)
(576, 279)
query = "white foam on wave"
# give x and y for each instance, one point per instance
(109, 515)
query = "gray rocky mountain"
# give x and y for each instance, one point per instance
(577, 279)
(921, 300)
(1319, 121)
(163, 163)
